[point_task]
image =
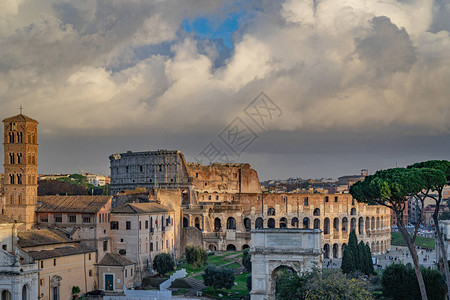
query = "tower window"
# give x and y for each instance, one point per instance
(11, 158)
(11, 179)
(19, 178)
(19, 158)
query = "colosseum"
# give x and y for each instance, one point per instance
(225, 202)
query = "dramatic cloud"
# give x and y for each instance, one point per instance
(115, 68)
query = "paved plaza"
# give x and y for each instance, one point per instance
(397, 254)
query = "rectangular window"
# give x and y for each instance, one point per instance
(114, 225)
(326, 198)
(89, 256)
(306, 200)
(156, 246)
(54, 261)
(146, 224)
(131, 272)
(72, 218)
(140, 225)
(128, 225)
(90, 273)
(335, 198)
(42, 264)
(58, 218)
(44, 218)
(126, 273)
(86, 219)
(105, 245)
(41, 282)
(151, 246)
(4, 247)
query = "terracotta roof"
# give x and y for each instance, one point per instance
(6, 220)
(61, 251)
(40, 237)
(71, 204)
(20, 118)
(141, 208)
(114, 259)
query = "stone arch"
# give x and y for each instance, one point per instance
(231, 247)
(25, 292)
(231, 223)
(378, 224)
(283, 222)
(271, 223)
(326, 226)
(6, 295)
(185, 222)
(259, 223)
(212, 247)
(353, 211)
(305, 222)
(336, 224)
(271, 211)
(361, 225)
(217, 224)
(367, 223)
(326, 251)
(294, 222)
(55, 284)
(245, 246)
(316, 212)
(247, 224)
(335, 250)
(353, 224)
(345, 224)
(316, 223)
(372, 224)
(197, 222)
(277, 274)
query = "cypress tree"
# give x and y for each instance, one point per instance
(369, 262)
(362, 257)
(353, 245)
(348, 262)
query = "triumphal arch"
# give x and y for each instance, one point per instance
(294, 249)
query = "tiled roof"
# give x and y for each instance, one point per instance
(141, 208)
(114, 259)
(61, 251)
(71, 204)
(40, 237)
(6, 220)
(20, 118)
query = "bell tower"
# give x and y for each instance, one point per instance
(20, 162)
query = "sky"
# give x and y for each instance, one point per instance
(296, 88)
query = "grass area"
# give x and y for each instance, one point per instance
(180, 292)
(424, 242)
(236, 292)
(216, 260)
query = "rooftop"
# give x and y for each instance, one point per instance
(114, 259)
(20, 118)
(141, 208)
(40, 237)
(61, 251)
(71, 204)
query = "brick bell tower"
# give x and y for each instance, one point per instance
(20, 147)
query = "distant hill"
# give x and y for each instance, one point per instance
(75, 184)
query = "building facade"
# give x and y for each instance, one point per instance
(20, 161)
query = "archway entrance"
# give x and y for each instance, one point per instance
(231, 247)
(278, 274)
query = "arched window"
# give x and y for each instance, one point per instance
(316, 212)
(25, 292)
(372, 225)
(271, 211)
(345, 224)
(283, 223)
(378, 223)
(247, 224)
(360, 225)
(19, 137)
(353, 224)
(231, 223)
(11, 158)
(367, 223)
(294, 222)
(306, 222)
(12, 179)
(19, 178)
(19, 158)
(217, 224)
(197, 222)
(335, 250)
(271, 223)
(336, 224)
(306, 201)
(326, 226)
(316, 224)
(259, 223)
(20, 199)
(326, 251)
(6, 295)
(353, 211)
(185, 222)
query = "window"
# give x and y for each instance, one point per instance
(121, 240)
(335, 198)
(326, 198)
(140, 223)
(353, 201)
(146, 224)
(126, 273)
(217, 197)
(141, 168)
(305, 201)
(151, 246)
(58, 218)
(42, 264)
(54, 261)
(105, 245)
(196, 175)
(4, 247)
(72, 218)
(44, 218)
(128, 225)
(41, 282)
(114, 225)
(167, 244)
(86, 219)
(131, 272)
(89, 256)
(20, 199)
(90, 273)
(209, 197)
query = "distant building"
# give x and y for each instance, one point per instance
(114, 272)
(53, 176)
(18, 271)
(139, 231)
(20, 148)
(83, 218)
(62, 263)
(350, 180)
(96, 180)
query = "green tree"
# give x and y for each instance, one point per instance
(163, 263)
(218, 278)
(246, 260)
(435, 183)
(195, 255)
(391, 188)
(348, 261)
(369, 263)
(353, 246)
(315, 286)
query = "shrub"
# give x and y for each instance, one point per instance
(246, 261)
(163, 263)
(195, 255)
(218, 278)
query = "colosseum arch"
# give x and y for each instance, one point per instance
(295, 222)
(360, 225)
(231, 223)
(185, 222)
(372, 224)
(378, 223)
(197, 222)
(316, 212)
(335, 250)
(305, 222)
(326, 226)
(217, 224)
(247, 224)
(271, 211)
(271, 223)
(259, 223)
(367, 223)
(326, 251)
(336, 224)
(353, 212)
(345, 224)
(316, 223)
(231, 247)
(283, 222)
(353, 224)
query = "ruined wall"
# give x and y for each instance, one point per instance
(190, 235)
